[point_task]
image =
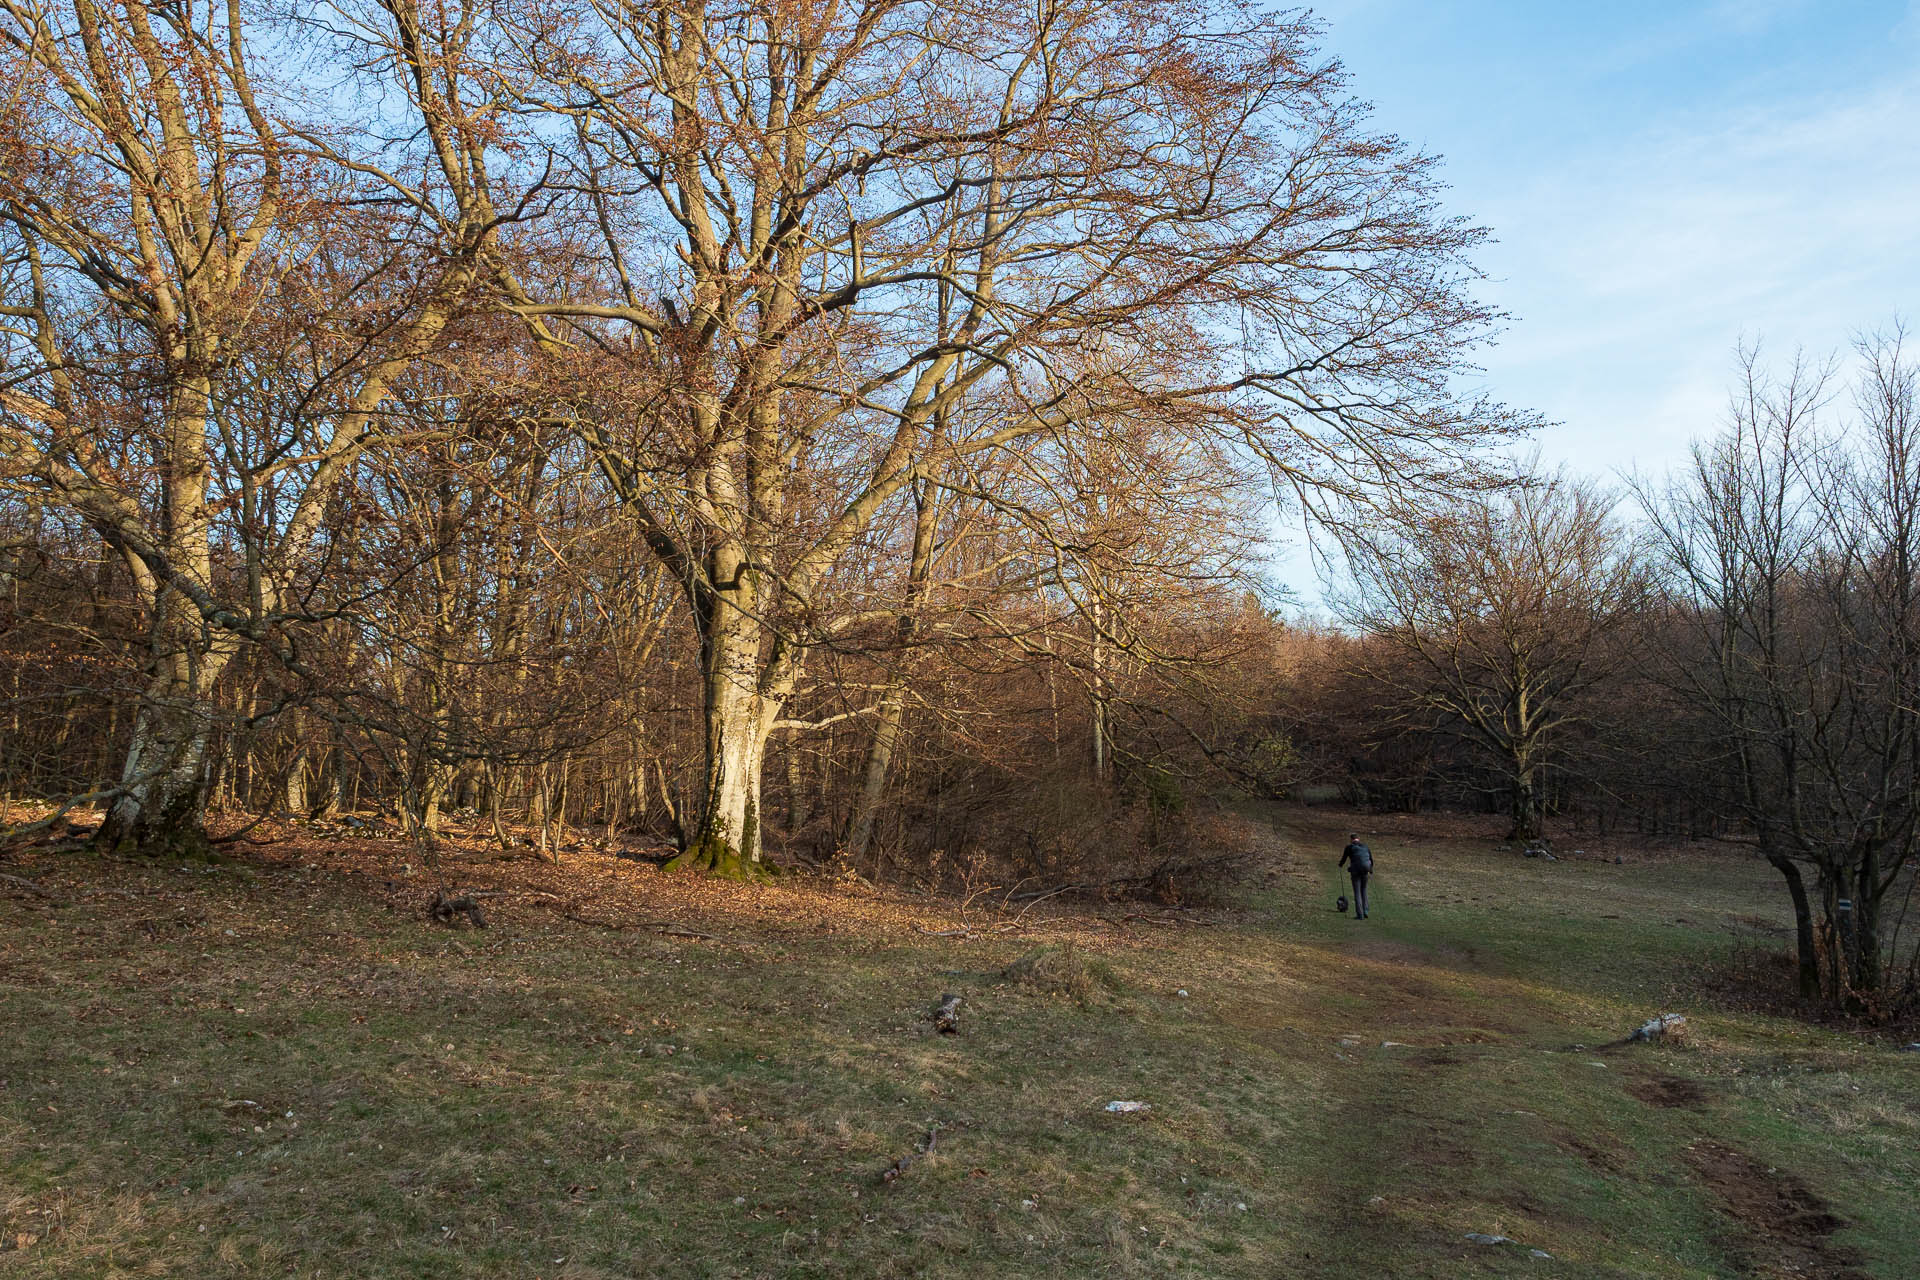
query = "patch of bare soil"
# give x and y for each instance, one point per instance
(1787, 1230)
(1440, 1145)
(1388, 951)
(1406, 955)
(1437, 1056)
(1669, 1092)
(1603, 1152)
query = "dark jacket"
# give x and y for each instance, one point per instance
(1360, 856)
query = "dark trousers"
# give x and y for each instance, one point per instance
(1359, 893)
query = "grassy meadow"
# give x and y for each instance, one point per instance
(277, 1066)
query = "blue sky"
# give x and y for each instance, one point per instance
(1664, 181)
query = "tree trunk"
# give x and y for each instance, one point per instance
(1102, 760)
(333, 796)
(1865, 955)
(1806, 952)
(422, 792)
(739, 721)
(221, 765)
(1102, 756)
(554, 818)
(799, 803)
(676, 827)
(873, 781)
(163, 810)
(296, 792)
(1526, 805)
(893, 702)
(432, 792)
(439, 792)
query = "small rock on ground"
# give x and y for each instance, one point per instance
(1667, 1024)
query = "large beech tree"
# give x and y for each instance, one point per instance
(203, 324)
(791, 259)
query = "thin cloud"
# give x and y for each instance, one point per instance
(1634, 268)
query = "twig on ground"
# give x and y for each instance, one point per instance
(1144, 918)
(681, 931)
(31, 887)
(900, 1166)
(666, 927)
(577, 918)
(233, 837)
(1041, 895)
(1067, 888)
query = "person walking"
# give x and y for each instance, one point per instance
(1358, 860)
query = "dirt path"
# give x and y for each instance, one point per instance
(1457, 1101)
(1783, 1228)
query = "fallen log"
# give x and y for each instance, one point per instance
(449, 910)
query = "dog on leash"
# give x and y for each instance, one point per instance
(1341, 906)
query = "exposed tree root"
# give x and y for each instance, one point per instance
(714, 856)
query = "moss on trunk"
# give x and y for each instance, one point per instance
(176, 832)
(714, 855)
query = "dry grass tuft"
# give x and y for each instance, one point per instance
(1061, 971)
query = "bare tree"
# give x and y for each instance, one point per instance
(1499, 616)
(1793, 553)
